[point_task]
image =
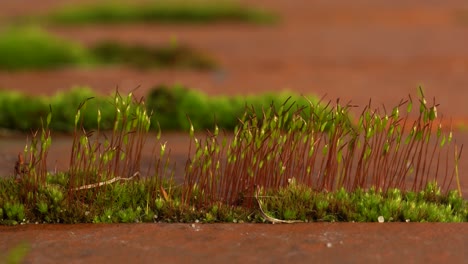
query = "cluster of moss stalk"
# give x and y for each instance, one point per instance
(298, 162)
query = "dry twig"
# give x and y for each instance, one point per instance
(99, 184)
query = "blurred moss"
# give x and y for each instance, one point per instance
(140, 56)
(23, 48)
(21, 112)
(170, 106)
(17, 254)
(33, 48)
(175, 11)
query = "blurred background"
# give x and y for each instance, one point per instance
(356, 51)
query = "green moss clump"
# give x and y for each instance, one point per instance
(170, 105)
(142, 57)
(161, 12)
(23, 48)
(21, 112)
(33, 48)
(300, 202)
(148, 201)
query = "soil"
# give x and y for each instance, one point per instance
(356, 52)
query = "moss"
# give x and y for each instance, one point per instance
(19, 50)
(170, 106)
(161, 12)
(266, 164)
(143, 57)
(131, 202)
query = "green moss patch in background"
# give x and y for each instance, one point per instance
(161, 12)
(170, 105)
(33, 48)
(141, 56)
(24, 48)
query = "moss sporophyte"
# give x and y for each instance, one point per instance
(282, 163)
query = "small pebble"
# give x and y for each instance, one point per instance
(381, 219)
(329, 245)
